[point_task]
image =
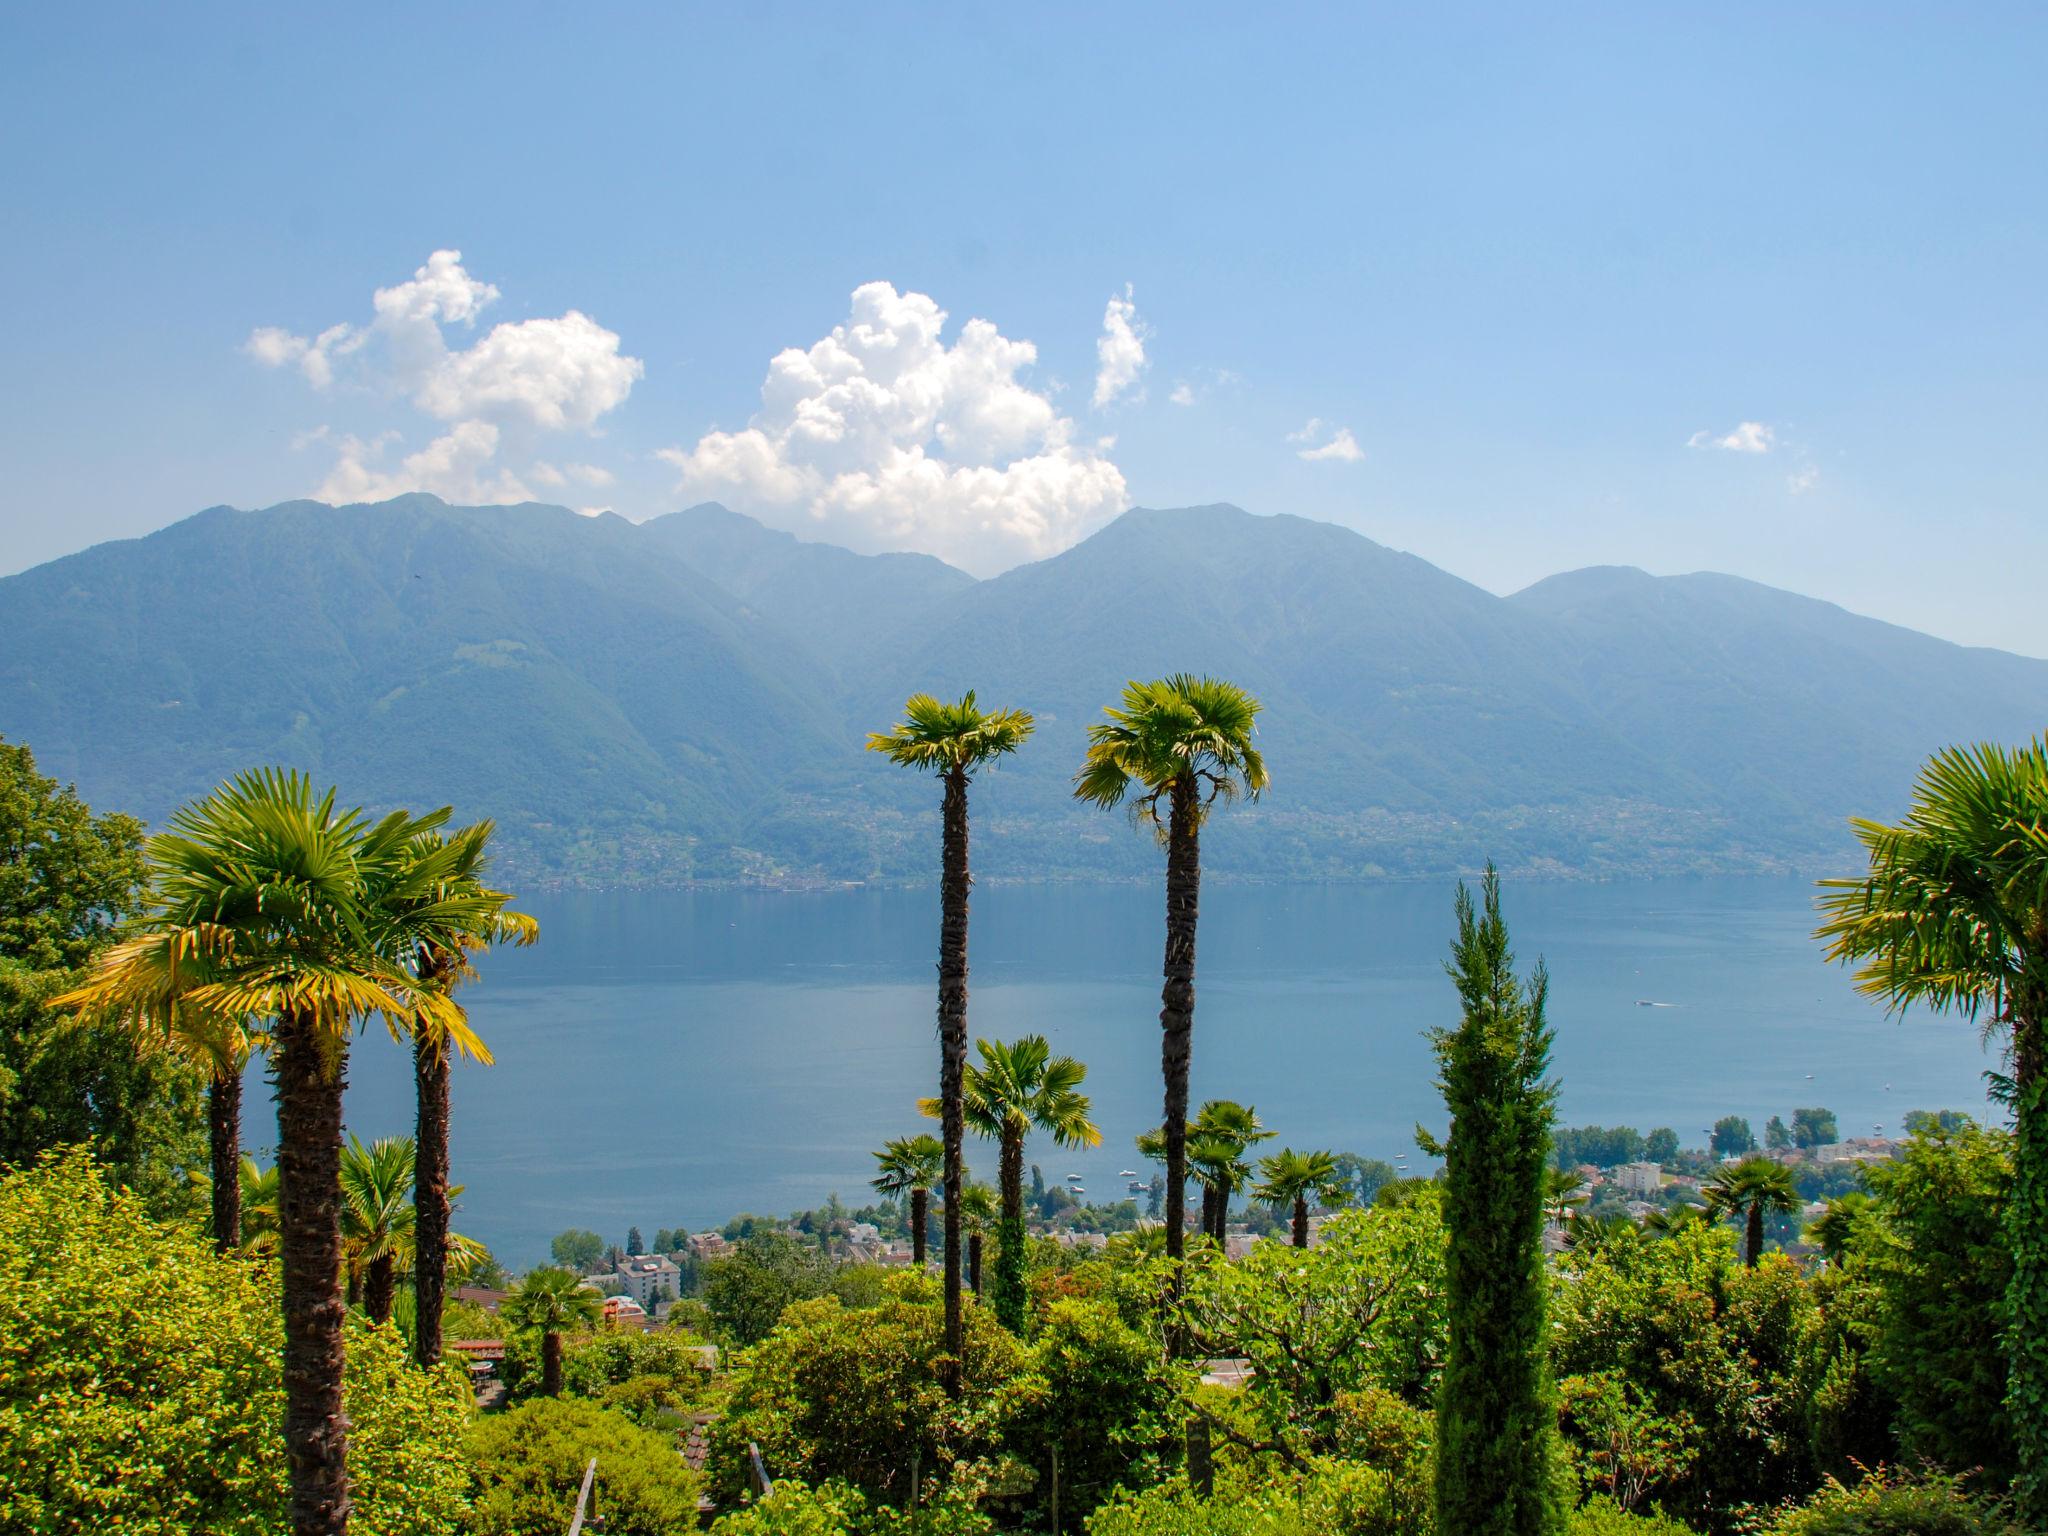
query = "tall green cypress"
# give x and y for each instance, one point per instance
(1496, 1412)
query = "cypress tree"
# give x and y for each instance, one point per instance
(1496, 1413)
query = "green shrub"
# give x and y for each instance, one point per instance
(529, 1463)
(1883, 1505)
(140, 1386)
(838, 1510)
(1601, 1516)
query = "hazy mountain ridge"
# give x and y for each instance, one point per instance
(685, 699)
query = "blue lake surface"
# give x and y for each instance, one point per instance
(670, 1059)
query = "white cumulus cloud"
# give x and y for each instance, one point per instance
(1748, 437)
(881, 436)
(1120, 350)
(1326, 442)
(519, 380)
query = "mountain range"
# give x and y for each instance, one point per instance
(685, 699)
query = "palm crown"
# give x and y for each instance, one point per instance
(907, 1163)
(1020, 1086)
(1292, 1176)
(1194, 732)
(551, 1301)
(937, 737)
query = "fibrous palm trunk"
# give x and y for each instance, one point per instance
(1301, 1221)
(1009, 1297)
(310, 1072)
(430, 1070)
(551, 1364)
(920, 1213)
(378, 1285)
(1208, 1210)
(2027, 1292)
(1177, 999)
(1223, 1192)
(224, 1154)
(1753, 1245)
(953, 886)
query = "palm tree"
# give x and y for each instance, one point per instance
(953, 741)
(377, 1218)
(1673, 1219)
(1835, 1228)
(550, 1302)
(1017, 1088)
(1294, 1179)
(1564, 1192)
(1748, 1190)
(1954, 914)
(146, 984)
(977, 1215)
(259, 1208)
(1215, 1146)
(911, 1165)
(443, 968)
(1186, 741)
(296, 912)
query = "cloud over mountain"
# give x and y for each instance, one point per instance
(880, 436)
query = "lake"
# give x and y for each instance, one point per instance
(671, 1059)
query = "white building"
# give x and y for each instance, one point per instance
(649, 1275)
(1639, 1178)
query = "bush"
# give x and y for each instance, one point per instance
(1881, 1505)
(1601, 1516)
(141, 1391)
(1332, 1498)
(837, 1510)
(529, 1466)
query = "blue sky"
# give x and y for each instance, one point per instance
(1528, 271)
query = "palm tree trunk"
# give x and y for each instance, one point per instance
(953, 886)
(430, 1071)
(224, 1138)
(1223, 1192)
(1208, 1210)
(378, 1286)
(1753, 1247)
(310, 1073)
(974, 1262)
(920, 1213)
(2027, 1217)
(1009, 1297)
(353, 1296)
(551, 1364)
(1177, 1001)
(1301, 1221)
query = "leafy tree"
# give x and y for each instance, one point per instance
(953, 741)
(833, 1393)
(1294, 1180)
(577, 1250)
(1939, 1264)
(304, 915)
(1732, 1137)
(1920, 1122)
(67, 878)
(1953, 913)
(529, 1468)
(1186, 741)
(1777, 1135)
(1749, 1191)
(1814, 1128)
(747, 1290)
(912, 1165)
(1364, 1176)
(548, 1303)
(1496, 1412)
(143, 1387)
(1601, 1146)
(635, 1244)
(1018, 1088)
(1661, 1145)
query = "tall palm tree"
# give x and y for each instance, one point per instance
(1953, 913)
(550, 1302)
(297, 913)
(377, 1218)
(1748, 1191)
(146, 984)
(1018, 1088)
(912, 1165)
(1185, 742)
(952, 741)
(1294, 1179)
(443, 968)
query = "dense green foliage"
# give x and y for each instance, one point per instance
(140, 1387)
(529, 1462)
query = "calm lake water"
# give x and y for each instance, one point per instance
(669, 1060)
